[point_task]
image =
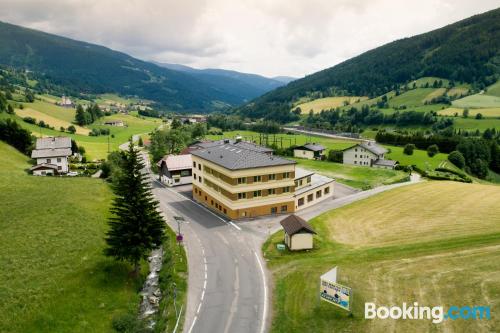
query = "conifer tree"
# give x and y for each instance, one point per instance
(136, 227)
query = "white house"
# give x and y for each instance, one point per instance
(298, 233)
(176, 170)
(51, 155)
(311, 151)
(367, 154)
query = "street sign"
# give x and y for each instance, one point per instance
(333, 292)
(281, 247)
(179, 238)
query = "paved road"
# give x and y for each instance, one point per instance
(227, 282)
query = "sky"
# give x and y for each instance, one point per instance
(267, 37)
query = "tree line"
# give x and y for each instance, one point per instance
(89, 115)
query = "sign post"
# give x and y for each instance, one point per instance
(333, 292)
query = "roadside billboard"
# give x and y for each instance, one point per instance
(333, 292)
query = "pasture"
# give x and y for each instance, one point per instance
(419, 158)
(328, 103)
(412, 98)
(435, 243)
(485, 112)
(54, 275)
(477, 101)
(354, 176)
(494, 89)
(50, 120)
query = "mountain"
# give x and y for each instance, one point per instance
(244, 85)
(82, 67)
(466, 51)
(284, 79)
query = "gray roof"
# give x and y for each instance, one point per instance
(53, 142)
(385, 162)
(316, 181)
(313, 147)
(242, 144)
(302, 173)
(234, 157)
(371, 146)
(294, 224)
(56, 152)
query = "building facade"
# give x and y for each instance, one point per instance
(51, 155)
(310, 151)
(367, 154)
(175, 170)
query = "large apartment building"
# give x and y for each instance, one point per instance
(241, 181)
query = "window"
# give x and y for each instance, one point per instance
(274, 210)
(59, 167)
(286, 189)
(272, 176)
(48, 160)
(327, 190)
(212, 202)
(284, 208)
(309, 179)
(355, 149)
(256, 179)
(206, 198)
(318, 194)
(355, 162)
(242, 180)
(310, 197)
(300, 182)
(271, 191)
(59, 159)
(286, 174)
(225, 211)
(257, 193)
(301, 202)
(201, 179)
(356, 156)
(242, 195)
(194, 176)
(216, 205)
(195, 190)
(194, 164)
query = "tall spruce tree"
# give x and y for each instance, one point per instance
(136, 227)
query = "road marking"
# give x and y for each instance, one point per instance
(203, 295)
(234, 225)
(205, 285)
(234, 303)
(199, 307)
(264, 312)
(192, 325)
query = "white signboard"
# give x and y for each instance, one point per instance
(333, 292)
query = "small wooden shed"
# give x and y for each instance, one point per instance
(298, 233)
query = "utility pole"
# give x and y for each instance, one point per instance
(108, 144)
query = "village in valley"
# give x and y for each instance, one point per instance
(139, 196)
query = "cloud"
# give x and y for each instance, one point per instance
(270, 37)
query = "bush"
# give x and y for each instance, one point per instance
(457, 159)
(409, 148)
(336, 156)
(30, 120)
(127, 323)
(72, 129)
(16, 136)
(479, 116)
(432, 150)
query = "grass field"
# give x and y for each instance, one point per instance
(52, 110)
(96, 147)
(288, 139)
(477, 101)
(328, 103)
(458, 91)
(419, 158)
(436, 93)
(435, 243)
(54, 275)
(486, 112)
(494, 89)
(50, 120)
(412, 98)
(355, 176)
(476, 124)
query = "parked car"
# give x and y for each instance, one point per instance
(72, 173)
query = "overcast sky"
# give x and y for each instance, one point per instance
(268, 37)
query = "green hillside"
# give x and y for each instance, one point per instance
(466, 51)
(54, 275)
(77, 67)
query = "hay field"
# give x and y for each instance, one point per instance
(328, 103)
(486, 112)
(52, 121)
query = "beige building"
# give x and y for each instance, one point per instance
(298, 233)
(175, 170)
(368, 154)
(243, 180)
(311, 151)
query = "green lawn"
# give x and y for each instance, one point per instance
(411, 98)
(66, 114)
(355, 176)
(97, 147)
(54, 275)
(419, 158)
(435, 243)
(494, 89)
(288, 139)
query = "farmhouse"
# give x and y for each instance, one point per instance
(311, 151)
(242, 180)
(118, 123)
(66, 102)
(298, 233)
(51, 155)
(175, 170)
(367, 154)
